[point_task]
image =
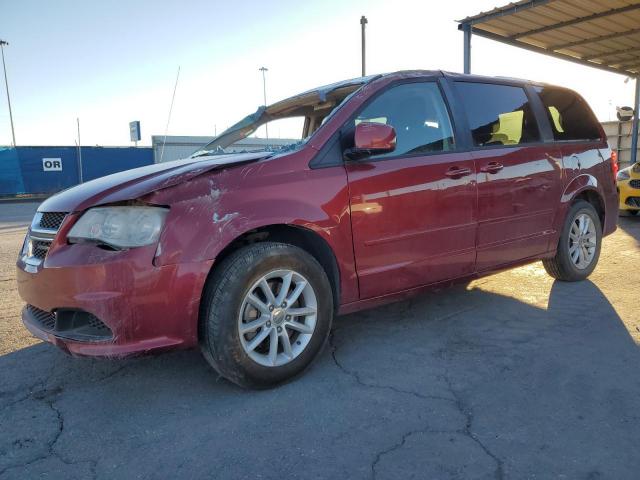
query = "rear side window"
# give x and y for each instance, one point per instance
(418, 114)
(569, 115)
(498, 114)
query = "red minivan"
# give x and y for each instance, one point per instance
(399, 182)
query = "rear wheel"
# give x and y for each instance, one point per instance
(266, 314)
(579, 245)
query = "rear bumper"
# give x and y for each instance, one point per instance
(146, 308)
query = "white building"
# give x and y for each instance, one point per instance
(176, 147)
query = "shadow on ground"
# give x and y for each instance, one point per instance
(631, 226)
(456, 384)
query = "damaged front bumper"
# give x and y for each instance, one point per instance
(94, 302)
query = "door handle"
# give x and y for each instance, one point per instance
(492, 167)
(457, 172)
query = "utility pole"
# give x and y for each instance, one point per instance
(264, 93)
(6, 84)
(363, 22)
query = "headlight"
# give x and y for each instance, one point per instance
(623, 175)
(119, 227)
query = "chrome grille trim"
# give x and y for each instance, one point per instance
(50, 234)
(42, 236)
(43, 230)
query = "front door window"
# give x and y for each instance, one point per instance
(418, 114)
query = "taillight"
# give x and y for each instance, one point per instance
(614, 164)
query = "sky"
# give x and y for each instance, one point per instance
(111, 62)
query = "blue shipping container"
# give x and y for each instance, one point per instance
(38, 170)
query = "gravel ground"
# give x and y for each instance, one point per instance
(14, 218)
(513, 376)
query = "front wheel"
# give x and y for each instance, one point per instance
(579, 244)
(266, 314)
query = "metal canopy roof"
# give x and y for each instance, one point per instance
(604, 34)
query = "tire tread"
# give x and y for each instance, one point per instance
(214, 347)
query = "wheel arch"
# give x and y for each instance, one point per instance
(296, 235)
(583, 187)
(561, 265)
(593, 197)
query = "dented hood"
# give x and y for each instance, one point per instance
(131, 184)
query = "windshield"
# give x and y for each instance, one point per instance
(277, 135)
(286, 125)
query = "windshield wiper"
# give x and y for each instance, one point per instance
(207, 153)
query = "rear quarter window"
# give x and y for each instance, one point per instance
(570, 117)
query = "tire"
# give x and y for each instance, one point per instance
(227, 306)
(564, 266)
(633, 212)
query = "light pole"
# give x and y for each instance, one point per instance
(6, 84)
(363, 22)
(264, 93)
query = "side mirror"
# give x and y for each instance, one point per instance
(372, 139)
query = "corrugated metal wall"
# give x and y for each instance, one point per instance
(22, 171)
(619, 137)
(10, 172)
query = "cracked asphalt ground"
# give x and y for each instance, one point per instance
(512, 376)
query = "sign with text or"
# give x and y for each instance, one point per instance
(51, 164)
(134, 131)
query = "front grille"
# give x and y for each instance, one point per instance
(634, 183)
(52, 220)
(43, 230)
(46, 320)
(633, 202)
(71, 324)
(95, 324)
(39, 248)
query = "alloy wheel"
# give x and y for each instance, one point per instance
(277, 318)
(582, 241)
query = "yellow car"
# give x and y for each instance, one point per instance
(628, 180)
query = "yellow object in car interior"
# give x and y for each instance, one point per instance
(508, 130)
